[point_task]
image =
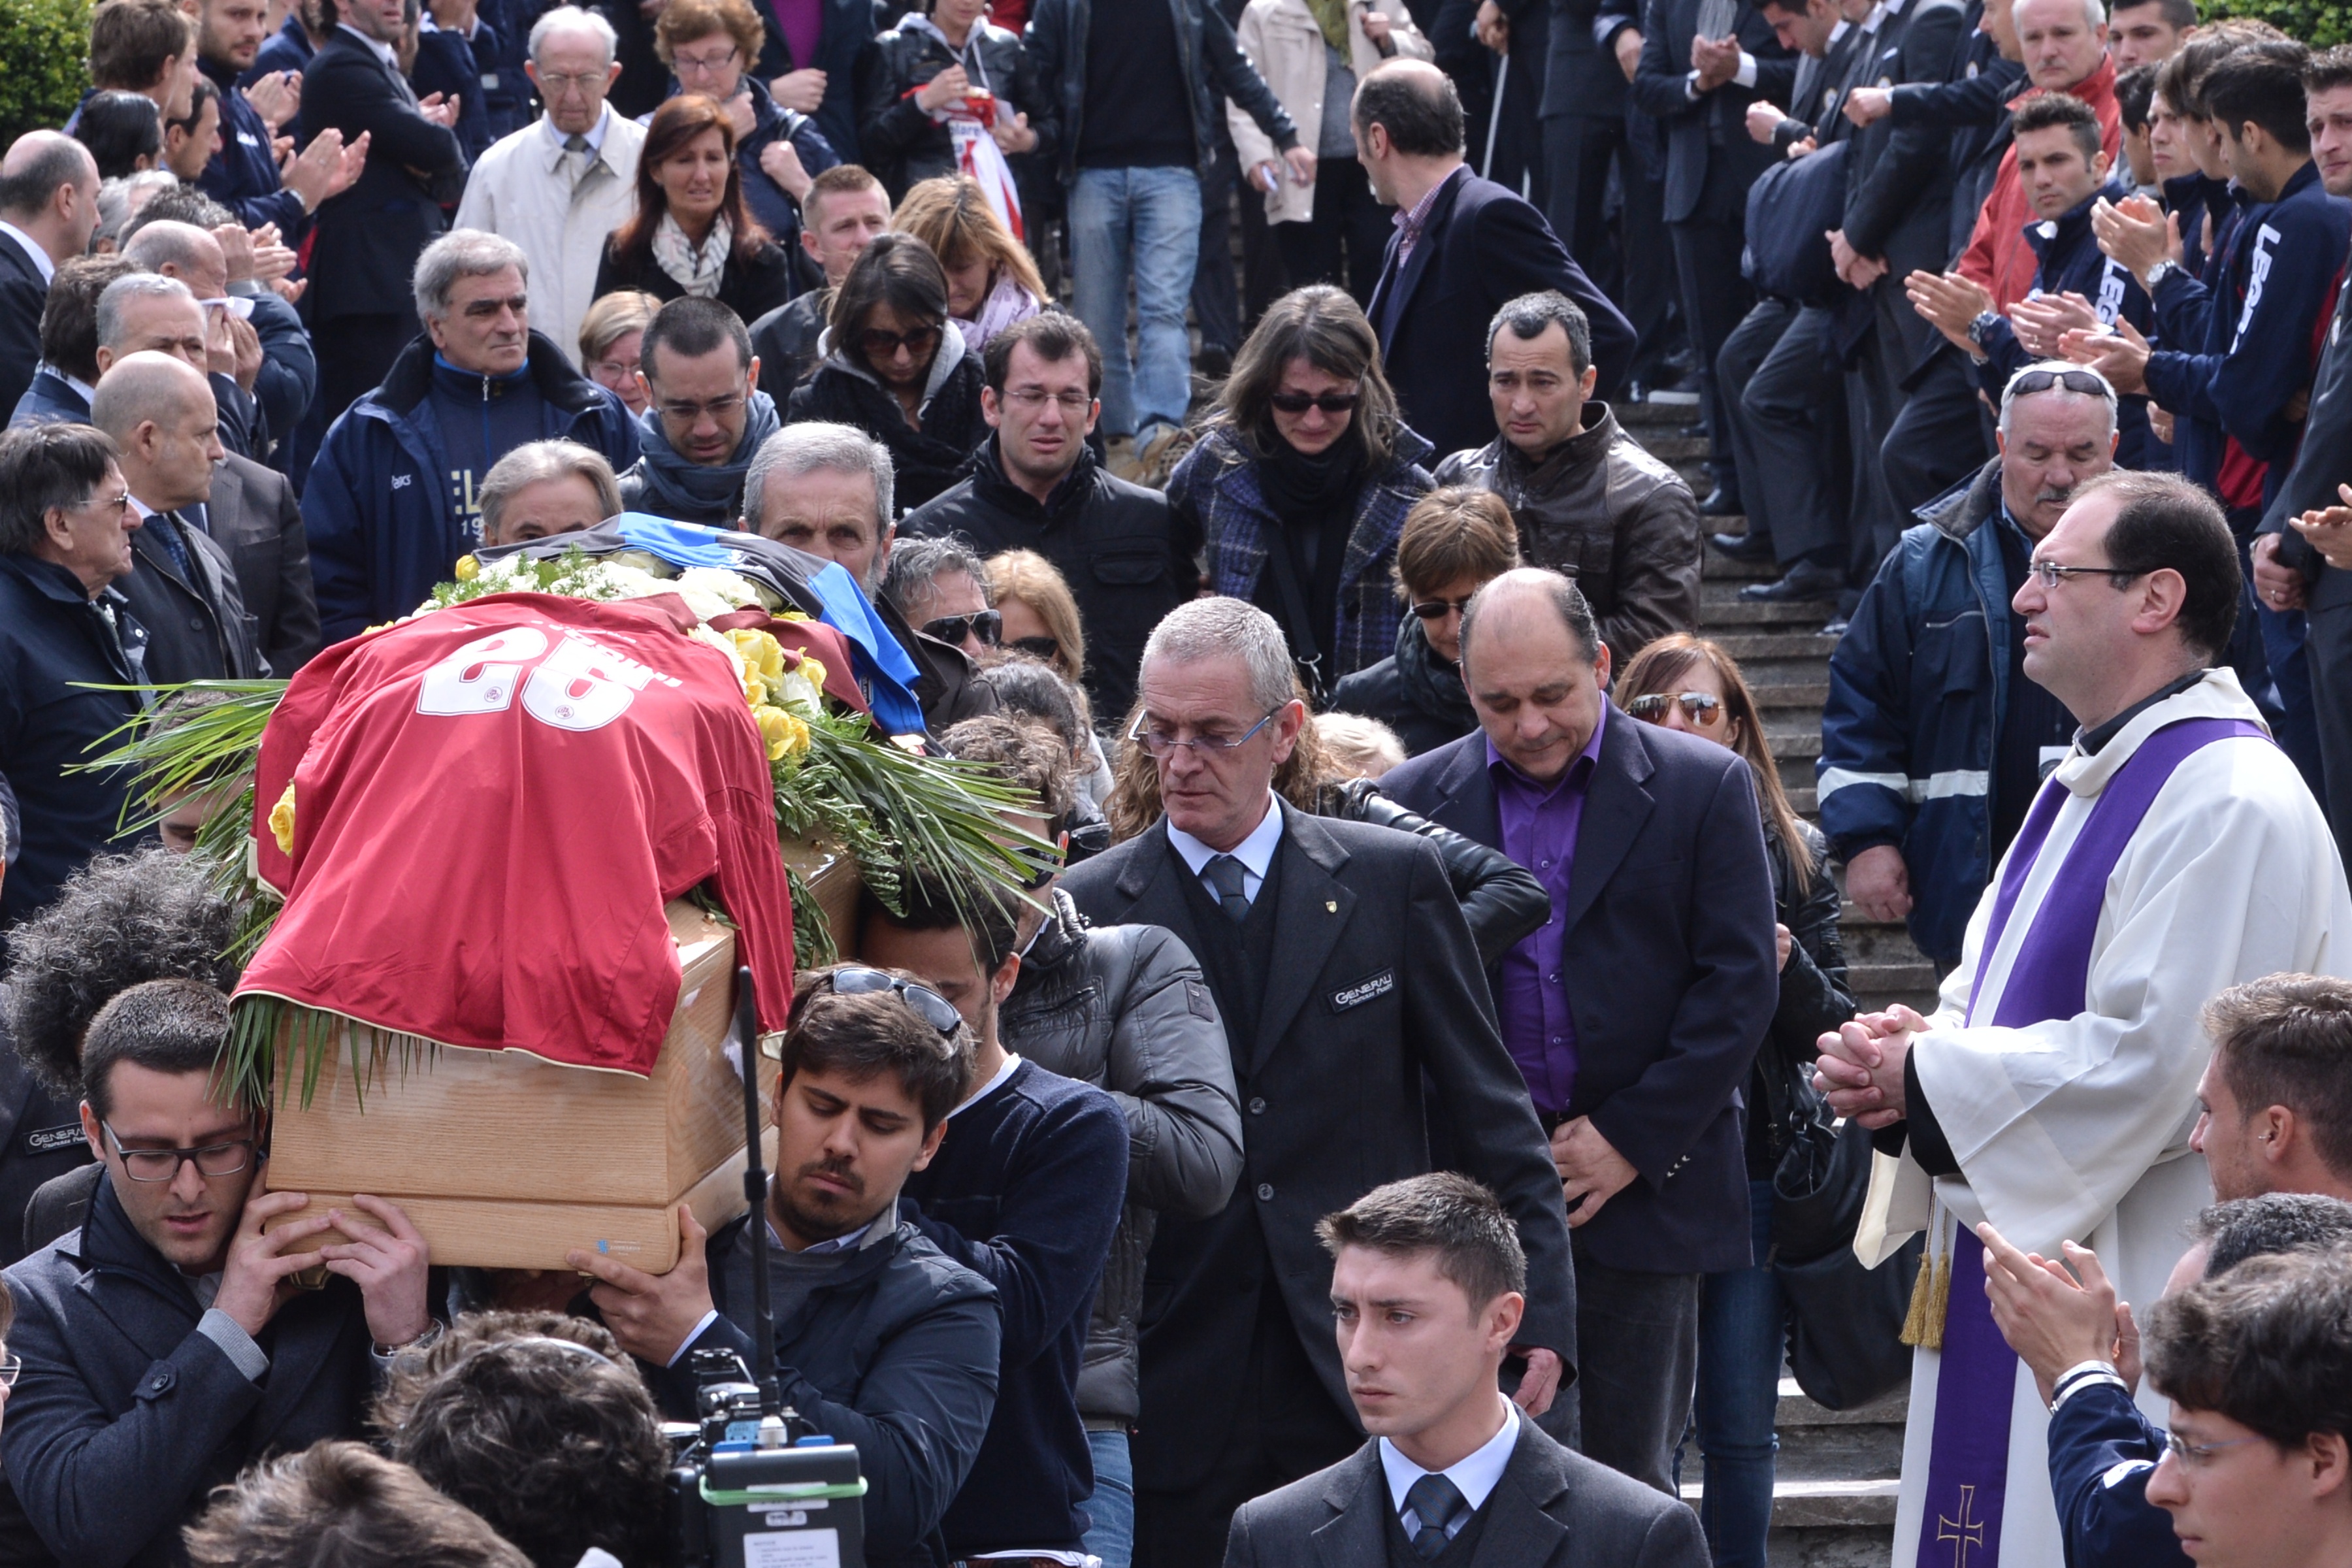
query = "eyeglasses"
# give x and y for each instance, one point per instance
(164, 1164)
(557, 83)
(1700, 708)
(2048, 574)
(719, 409)
(1163, 745)
(701, 63)
(929, 1005)
(2027, 383)
(2197, 1455)
(877, 344)
(1438, 610)
(985, 625)
(1040, 647)
(12, 1367)
(118, 505)
(1329, 402)
(1036, 397)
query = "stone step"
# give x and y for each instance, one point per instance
(1666, 411)
(1730, 612)
(1714, 566)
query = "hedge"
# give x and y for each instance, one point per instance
(2318, 24)
(43, 47)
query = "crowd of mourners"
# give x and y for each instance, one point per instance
(1217, 403)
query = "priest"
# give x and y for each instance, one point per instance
(2174, 852)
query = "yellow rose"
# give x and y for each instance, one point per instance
(814, 670)
(281, 820)
(786, 735)
(467, 568)
(760, 651)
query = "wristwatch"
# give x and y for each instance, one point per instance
(2158, 273)
(1981, 325)
(424, 1342)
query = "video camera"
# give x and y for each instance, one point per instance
(754, 1484)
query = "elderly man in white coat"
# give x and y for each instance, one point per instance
(2174, 852)
(561, 185)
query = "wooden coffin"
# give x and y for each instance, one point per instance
(504, 1161)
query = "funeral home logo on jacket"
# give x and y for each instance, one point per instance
(1364, 991)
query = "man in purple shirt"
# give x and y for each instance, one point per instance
(1635, 1013)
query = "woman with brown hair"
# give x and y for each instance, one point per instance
(1687, 683)
(690, 233)
(1302, 480)
(711, 47)
(991, 282)
(893, 369)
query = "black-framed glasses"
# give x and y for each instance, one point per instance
(719, 409)
(1701, 708)
(1163, 745)
(1329, 402)
(2048, 574)
(856, 980)
(164, 1164)
(877, 344)
(1038, 647)
(2088, 383)
(986, 624)
(1438, 610)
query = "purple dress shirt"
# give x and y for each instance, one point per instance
(1540, 828)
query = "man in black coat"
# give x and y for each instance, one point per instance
(1464, 246)
(366, 241)
(1635, 1015)
(48, 210)
(163, 1348)
(1360, 1024)
(252, 515)
(1700, 88)
(1035, 486)
(1429, 1286)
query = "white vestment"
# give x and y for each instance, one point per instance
(2077, 1129)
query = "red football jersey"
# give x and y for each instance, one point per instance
(492, 805)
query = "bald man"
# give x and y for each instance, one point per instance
(181, 588)
(48, 210)
(264, 372)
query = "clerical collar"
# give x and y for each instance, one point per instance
(2090, 741)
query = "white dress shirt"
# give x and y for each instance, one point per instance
(1475, 1477)
(1256, 853)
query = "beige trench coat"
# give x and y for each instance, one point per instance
(1282, 40)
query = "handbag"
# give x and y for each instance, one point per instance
(1791, 207)
(1844, 1322)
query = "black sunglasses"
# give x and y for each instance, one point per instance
(1700, 707)
(987, 626)
(2089, 384)
(877, 344)
(1039, 647)
(1436, 609)
(929, 1005)
(1329, 402)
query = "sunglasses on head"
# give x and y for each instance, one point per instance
(986, 624)
(2089, 384)
(1329, 402)
(877, 344)
(1700, 708)
(856, 980)
(1436, 609)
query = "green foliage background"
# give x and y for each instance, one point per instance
(43, 45)
(2320, 25)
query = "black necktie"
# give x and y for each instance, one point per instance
(1224, 874)
(1435, 1501)
(167, 535)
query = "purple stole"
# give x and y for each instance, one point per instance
(1976, 1378)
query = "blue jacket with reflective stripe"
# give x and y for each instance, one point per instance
(1917, 687)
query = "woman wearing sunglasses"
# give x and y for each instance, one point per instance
(1301, 483)
(894, 369)
(1688, 683)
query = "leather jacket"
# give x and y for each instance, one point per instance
(901, 142)
(1601, 510)
(1502, 900)
(1126, 1008)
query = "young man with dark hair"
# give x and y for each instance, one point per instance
(162, 1347)
(1428, 1286)
(1036, 485)
(881, 1339)
(2258, 1365)
(1027, 1193)
(554, 1442)
(2147, 32)
(705, 414)
(2275, 1103)
(145, 47)
(341, 1505)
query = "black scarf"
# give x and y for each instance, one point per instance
(1432, 683)
(1314, 499)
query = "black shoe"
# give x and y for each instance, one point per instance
(1806, 580)
(1721, 502)
(1753, 545)
(1216, 362)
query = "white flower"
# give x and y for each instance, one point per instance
(797, 694)
(737, 591)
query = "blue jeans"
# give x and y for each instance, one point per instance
(1110, 1512)
(1742, 1337)
(1145, 222)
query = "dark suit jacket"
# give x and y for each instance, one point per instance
(126, 1415)
(369, 237)
(1482, 246)
(1899, 178)
(1708, 135)
(1581, 74)
(252, 515)
(1552, 1508)
(50, 400)
(1670, 975)
(22, 294)
(197, 627)
(1376, 1002)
